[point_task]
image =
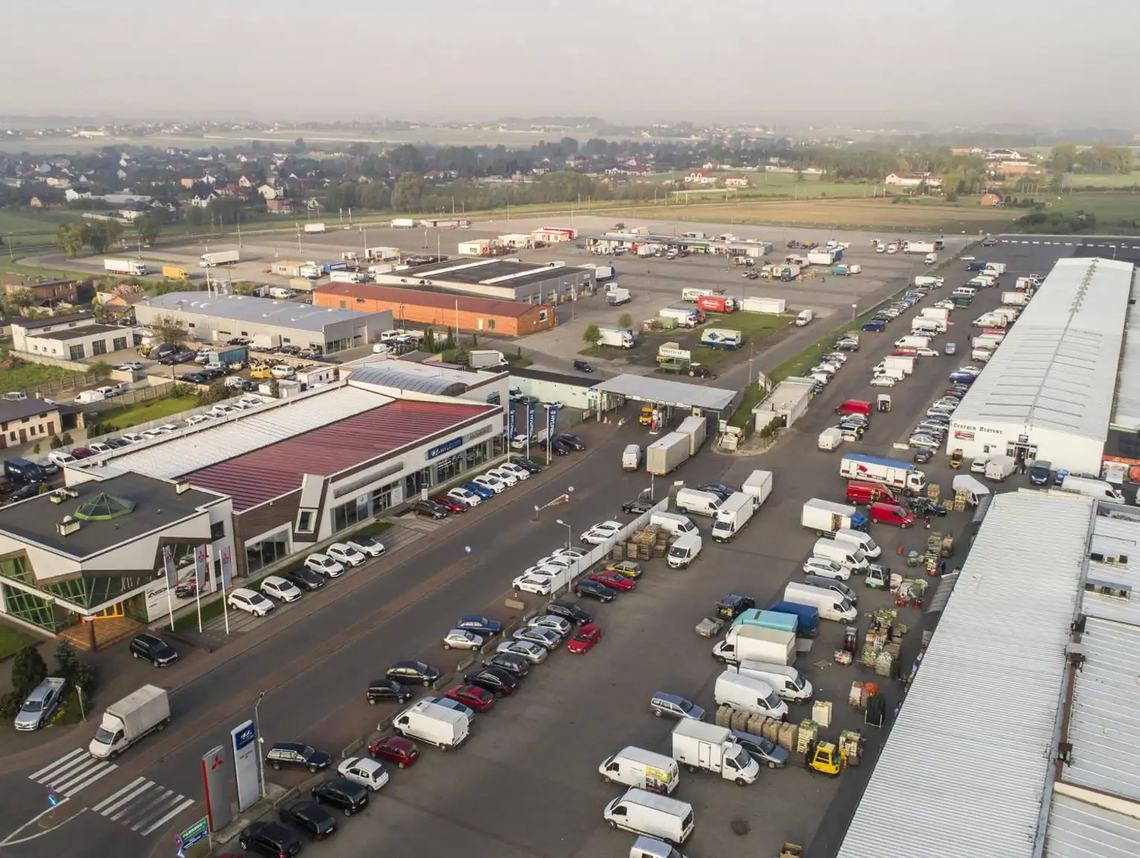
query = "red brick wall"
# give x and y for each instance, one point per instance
(441, 317)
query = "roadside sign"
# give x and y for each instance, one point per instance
(53, 797)
(194, 833)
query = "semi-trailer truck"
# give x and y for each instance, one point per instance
(220, 257)
(138, 714)
(667, 453)
(125, 266)
(888, 472)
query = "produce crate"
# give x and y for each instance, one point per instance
(855, 695)
(723, 715)
(771, 730)
(756, 724)
(934, 491)
(821, 713)
(740, 720)
(807, 733)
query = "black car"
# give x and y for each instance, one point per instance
(569, 611)
(297, 755)
(720, 489)
(595, 591)
(513, 664)
(924, 506)
(494, 679)
(583, 366)
(573, 441)
(923, 456)
(428, 509)
(269, 838)
(526, 464)
(154, 649)
(212, 373)
(559, 447)
(413, 671)
(116, 443)
(308, 816)
(1040, 473)
(387, 689)
(194, 378)
(637, 507)
(29, 490)
(349, 796)
(305, 578)
(249, 385)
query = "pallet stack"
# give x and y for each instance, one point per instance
(648, 542)
(934, 491)
(960, 501)
(807, 733)
(851, 746)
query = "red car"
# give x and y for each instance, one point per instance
(479, 699)
(449, 504)
(584, 639)
(395, 749)
(82, 453)
(614, 579)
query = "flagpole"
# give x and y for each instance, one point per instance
(170, 605)
(198, 599)
(225, 607)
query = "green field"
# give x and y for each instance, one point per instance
(766, 184)
(144, 412)
(12, 640)
(29, 375)
(1088, 180)
(1110, 207)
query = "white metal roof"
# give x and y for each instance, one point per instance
(1078, 829)
(1126, 415)
(1056, 368)
(676, 393)
(247, 308)
(1116, 539)
(972, 743)
(224, 439)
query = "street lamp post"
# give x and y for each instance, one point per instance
(260, 746)
(569, 532)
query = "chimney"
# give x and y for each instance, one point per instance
(182, 487)
(68, 526)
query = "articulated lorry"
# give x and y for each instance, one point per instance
(888, 472)
(220, 257)
(137, 715)
(125, 266)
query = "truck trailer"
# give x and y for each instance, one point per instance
(824, 516)
(684, 316)
(220, 257)
(621, 338)
(903, 476)
(919, 247)
(124, 723)
(697, 429)
(486, 358)
(776, 306)
(722, 338)
(667, 453)
(692, 294)
(125, 266)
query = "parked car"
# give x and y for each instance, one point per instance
(474, 696)
(494, 484)
(569, 610)
(465, 496)
(398, 750)
(364, 771)
(674, 706)
(584, 639)
(506, 477)
(923, 455)
(324, 565)
(387, 689)
(719, 489)
(413, 672)
(637, 507)
(539, 585)
(595, 591)
(548, 621)
(543, 637)
(345, 554)
(462, 639)
(761, 750)
(527, 464)
(304, 578)
(449, 504)
(572, 441)
(297, 755)
(154, 649)
(601, 532)
(511, 663)
(280, 588)
(428, 509)
(342, 793)
(559, 447)
(485, 492)
(613, 580)
(494, 680)
(628, 568)
(367, 545)
(305, 814)
(480, 625)
(269, 838)
(532, 652)
(250, 601)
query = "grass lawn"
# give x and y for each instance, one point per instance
(1107, 206)
(210, 611)
(10, 266)
(13, 640)
(742, 417)
(1086, 180)
(754, 326)
(144, 412)
(373, 529)
(30, 374)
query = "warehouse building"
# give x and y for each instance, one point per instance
(1048, 391)
(78, 343)
(501, 279)
(1045, 766)
(217, 318)
(438, 309)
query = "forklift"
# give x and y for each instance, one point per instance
(824, 757)
(956, 459)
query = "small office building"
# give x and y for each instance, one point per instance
(87, 341)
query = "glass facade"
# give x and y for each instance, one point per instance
(347, 515)
(30, 608)
(267, 551)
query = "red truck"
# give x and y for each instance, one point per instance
(716, 303)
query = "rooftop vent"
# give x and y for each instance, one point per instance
(63, 494)
(181, 488)
(68, 526)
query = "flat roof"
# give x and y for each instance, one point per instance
(1126, 413)
(246, 308)
(157, 505)
(1056, 368)
(1000, 645)
(677, 393)
(425, 297)
(556, 377)
(278, 469)
(48, 321)
(80, 333)
(480, 271)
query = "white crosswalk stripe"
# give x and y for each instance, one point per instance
(73, 772)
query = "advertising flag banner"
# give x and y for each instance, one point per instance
(551, 420)
(510, 423)
(201, 566)
(168, 565)
(530, 409)
(227, 569)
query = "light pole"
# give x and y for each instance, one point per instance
(854, 307)
(260, 746)
(569, 532)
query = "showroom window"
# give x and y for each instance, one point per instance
(267, 551)
(382, 498)
(345, 516)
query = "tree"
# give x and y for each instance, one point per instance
(148, 227)
(15, 303)
(625, 320)
(100, 235)
(409, 192)
(592, 335)
(66, 659)
(66, 440)
(69, 237)
(169, 329)
(376, 196)
(216, 392)
(28, 670)
(429, 340)
(195, 216)
(274, 388)
(56, 442)
(100, 370)
(1063, 157)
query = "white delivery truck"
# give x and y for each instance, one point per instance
(1100, 489)
(803, 318)
(746, 642)
(697, 429)
(901, 362)
(684, 551)
(923, 327)
(697, 745)
(912, 342)
(220, 257)
(830, 605)
(643, 812)
(124, 723)
(434, 724)
(759, 486)
(347, 277)
(314, 227)
(1015, 299)
(621, 338)
(751, 695)
(1000, 467)
(784, 679)
(684, 316)
(643, 769)
(125, 266)
(672, 522)
(830, 438)
(928, 281)
(618, 296)
(733, 514)
(403, 223)
(931, 258)
(486, 358)
(939, 314)
(697, 502)
(860, 540)
(311, 271)
(827, 517)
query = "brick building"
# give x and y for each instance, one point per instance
(438, 309)
(47, 290)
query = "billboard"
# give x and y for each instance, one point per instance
(244, 747)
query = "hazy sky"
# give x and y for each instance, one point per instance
(809, 61)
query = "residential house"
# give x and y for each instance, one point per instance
(121, 175)
(209, 179)
(36, 203)
(188, 183)
(47, 290)
(736, 181)
(71, 195)
(229, 190)
(243, 158)
(246, 182)
(700, 176)
(26, 421)
(268, 192)
(277, 205)
(58, 182)
(991, 198)
(201, 200)
(912, 180)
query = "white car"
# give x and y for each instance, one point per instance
(345, 554)
(549, 621)
(488, 482)
(324, 565)
(364, 771)
(825, 368)
(369, 545)
(508, 478)
(825, 568)
(558, 561)
(129, 366)
(133, 437)
(61, 458)
(978, 466)
(251, 401)
(280, 588)
(926, 352)
(461, 639)
(282, 371)
(196, 419)
(466, 497)
(167, 428)
(100, 447)
(381, 349)
(222, 411)
(151, 434)
(882, 381)
(532, 652)
(822, 377)
(540, 570)
(540, 586)
(835, 357)
(520, 472)
(250, 601)
(599, 533)
(573, 553)
(945, 305)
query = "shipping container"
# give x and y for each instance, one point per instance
(776, 306)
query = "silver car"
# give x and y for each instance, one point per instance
(549, 621)
(543, 637)
(529, 650)
(926, 442)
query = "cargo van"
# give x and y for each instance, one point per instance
(784, 679)
(684, 551)
(965, 292)
(868, 493)
(87, 397)
(837, 587)
(643, 812)
(1089, 487)
(631, 457)
(651, 847)
(889, 513)
(643, 769)
(673, 523)
(698, 502)
(751, 695)
(829, 605)
(859, 539)
(830, 438)
(1000, 467)
(839, 551)
(433, 724)
(855, 406)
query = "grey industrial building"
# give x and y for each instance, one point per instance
(217, 318)
(503, 279)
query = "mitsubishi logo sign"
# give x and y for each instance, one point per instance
(218, 761)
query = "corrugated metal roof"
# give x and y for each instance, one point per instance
(247, 432)
(1056, 369)
(1115, 536)
(1126, 415)
(246, 308)
(391, 376)
(1081, 830)
(1104, 722)
(677, 393)
(971, 744)
(278, 469)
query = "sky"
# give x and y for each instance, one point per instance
(820, 62)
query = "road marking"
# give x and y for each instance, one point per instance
(35, 775)
(99, 773)
(123, 802)
(151, 807)
(146, 832)
(73, 772)
(97, 808)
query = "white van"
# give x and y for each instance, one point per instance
(863, 540)
(846, 554)
(784, 679)
(804, 318)
(89, 396)
(631, 457)
(698, 502)
(965, 292)
(829, 604)
(751, 695)
(643, 769)
(673, 523)
(651, 847)
(830, 438)
(648, 813)
(1099, 489)
(434, 724)
(684, 551)
(280, 292)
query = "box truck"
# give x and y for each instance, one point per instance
(347, 277)
(919, 247)
(756, 643)
(381, 254)
(697, 746)
(684, 316)
(825, 516)
(173, 272)
(775, 306)
(929, 281)
(759, 486)
(717, 304)
(220, 257)
(692, 294)
(768, 620)
(784, 679)
(124, 723)
(485, 358)
(667, 453)
(903, 362)
(618, 296)
(403, 223)
(434, 724)
(697, 429)
(125, 266)
(938, 314)
(314, 227)
(888, 472)
(621, 338)
(722, 338)
(1015, 299)
(311, 271)
(733, 514)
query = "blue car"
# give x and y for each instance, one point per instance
(966, 378)
(482, 626)
(875, 325)
(477, 489)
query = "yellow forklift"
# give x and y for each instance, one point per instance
(956, 459)
(825, 758)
